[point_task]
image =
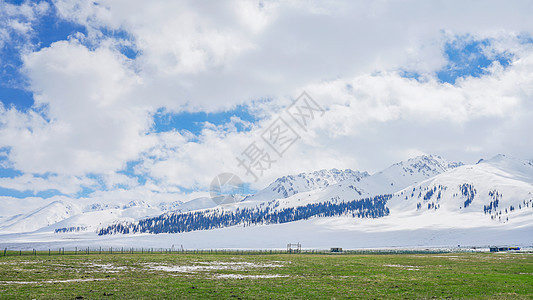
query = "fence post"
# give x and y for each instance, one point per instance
(49, 252)
(5, 251)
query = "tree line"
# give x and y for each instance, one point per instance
(373, 207)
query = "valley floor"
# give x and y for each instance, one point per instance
(318, 233)
(279, 276)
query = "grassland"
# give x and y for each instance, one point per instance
(276, 276)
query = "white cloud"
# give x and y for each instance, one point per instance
(173, 37)
(63, 184)
(91, 123)
(18, 20)
(95, 105)
(211, 56)
(374, 120)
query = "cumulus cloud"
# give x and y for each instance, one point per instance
(212, 56)
(89, 121)
(375, 119)
(94, 104)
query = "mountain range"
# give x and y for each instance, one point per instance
(423, 201)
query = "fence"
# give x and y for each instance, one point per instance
(126, 251)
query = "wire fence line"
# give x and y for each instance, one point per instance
(147, 251)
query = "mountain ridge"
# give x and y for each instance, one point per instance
(314, 189)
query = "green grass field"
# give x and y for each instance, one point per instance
(276, 276)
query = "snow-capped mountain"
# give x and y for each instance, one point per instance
(47, 215)
(497, 189)
(289, 185)
(408, 172)
(422, 193)
(388, 181)
(290, 198)
(288, 191)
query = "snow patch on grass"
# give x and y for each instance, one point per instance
(109, 268)
(242, 276)
(410, 268)
(212, 266)
(52, 281)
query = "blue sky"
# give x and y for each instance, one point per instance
(465, 57)
(194, 122)
(161, 100)
(46, 30)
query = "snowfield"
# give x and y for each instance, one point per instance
(435, 203)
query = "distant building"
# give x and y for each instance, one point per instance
(336, 250)
(500, 249)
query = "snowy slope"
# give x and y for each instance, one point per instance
(388, 181)
(287, 186)
(318, 233)
(292, 190)
(466, 205)
(90, 221)
(41, 217)
(498, 190)
(408, 172)
(65, 213)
